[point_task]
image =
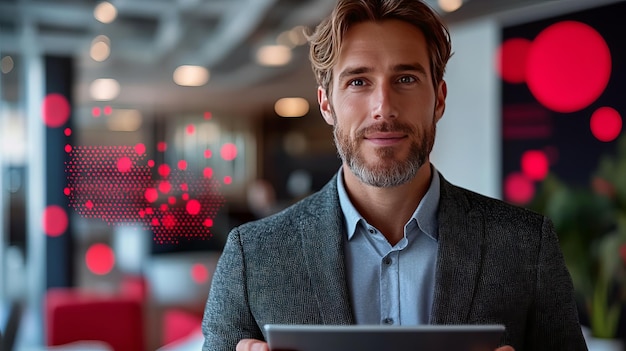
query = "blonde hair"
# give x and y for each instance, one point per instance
(326, 40)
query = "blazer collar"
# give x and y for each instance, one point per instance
(322, 244)
(461, 237)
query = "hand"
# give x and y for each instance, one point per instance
(258, 345)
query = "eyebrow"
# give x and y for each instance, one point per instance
(404, 67)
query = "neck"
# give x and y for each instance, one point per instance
(388, 209)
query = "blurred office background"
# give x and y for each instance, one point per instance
(134, 134)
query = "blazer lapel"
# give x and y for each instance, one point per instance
(322, 245)
(461, 235)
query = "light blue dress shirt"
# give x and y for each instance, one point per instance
(392, 284)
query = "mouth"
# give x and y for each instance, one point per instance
(385, 138)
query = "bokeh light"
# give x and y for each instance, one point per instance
(190, 129)
(228, 151)
(569, 66)
(105, 12)
(54, 221)
(193, 207)
(100, 259)
(207, 172)
(606, 124)
(165, 187)
(518, 189)
(140, 149)
(96, 112)
(151, 194)
(511, 59)
(199, 273)
(161, 146)
(124, 164)
(164, 170)
(535, 164)
(56, 110)
(191, 76)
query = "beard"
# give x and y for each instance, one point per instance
(387, 172)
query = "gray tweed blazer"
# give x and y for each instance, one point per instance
(497, 264)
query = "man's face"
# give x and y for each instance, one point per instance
(383, 105)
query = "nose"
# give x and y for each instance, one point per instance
(383, 102)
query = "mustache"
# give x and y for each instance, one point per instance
(385, 127)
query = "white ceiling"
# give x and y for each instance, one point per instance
(150, 38)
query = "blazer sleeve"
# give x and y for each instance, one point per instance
(227, 317)
(553, 321)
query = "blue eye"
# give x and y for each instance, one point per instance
(357, 82)
(407, 79)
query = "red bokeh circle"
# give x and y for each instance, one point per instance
(199, 273)
(518, 188)
(535, 164)
(54, 221)
(193, 207)
(124, 164)
(568, 67)
(100, 259)
(56, 110)
(511, 59)
(606, 124)
(228, 151)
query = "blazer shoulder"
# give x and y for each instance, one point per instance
(489, 206)
(319, 206)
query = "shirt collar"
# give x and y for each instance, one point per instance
(425, 214)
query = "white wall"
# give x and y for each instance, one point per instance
(467, 147)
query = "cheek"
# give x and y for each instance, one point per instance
(350, 110)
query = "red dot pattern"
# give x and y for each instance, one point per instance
(174, 205)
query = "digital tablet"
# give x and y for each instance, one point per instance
(383, 338)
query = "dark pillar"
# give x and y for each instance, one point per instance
(59, 79)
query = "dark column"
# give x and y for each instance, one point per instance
(59, 79)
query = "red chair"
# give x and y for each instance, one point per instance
(179, 324)
(73, 315)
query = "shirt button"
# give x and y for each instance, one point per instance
(388, 321)
(387, 260)
(372, 231)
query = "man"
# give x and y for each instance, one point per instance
(389, 230)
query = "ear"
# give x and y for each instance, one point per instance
(325, 108)
(440, 103)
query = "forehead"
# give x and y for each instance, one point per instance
(382, 44)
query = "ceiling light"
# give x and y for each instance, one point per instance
(105, 12)
(124, 120)
(292, 38)
(450, 5)
(297, 35)
(291, 107)
(273, 55)
(104, 89)
(100, 48)
(191, 76)
(6, 64)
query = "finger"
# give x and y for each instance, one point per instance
(251, 345)
(505, 348)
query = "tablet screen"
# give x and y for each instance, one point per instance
(383, 338)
